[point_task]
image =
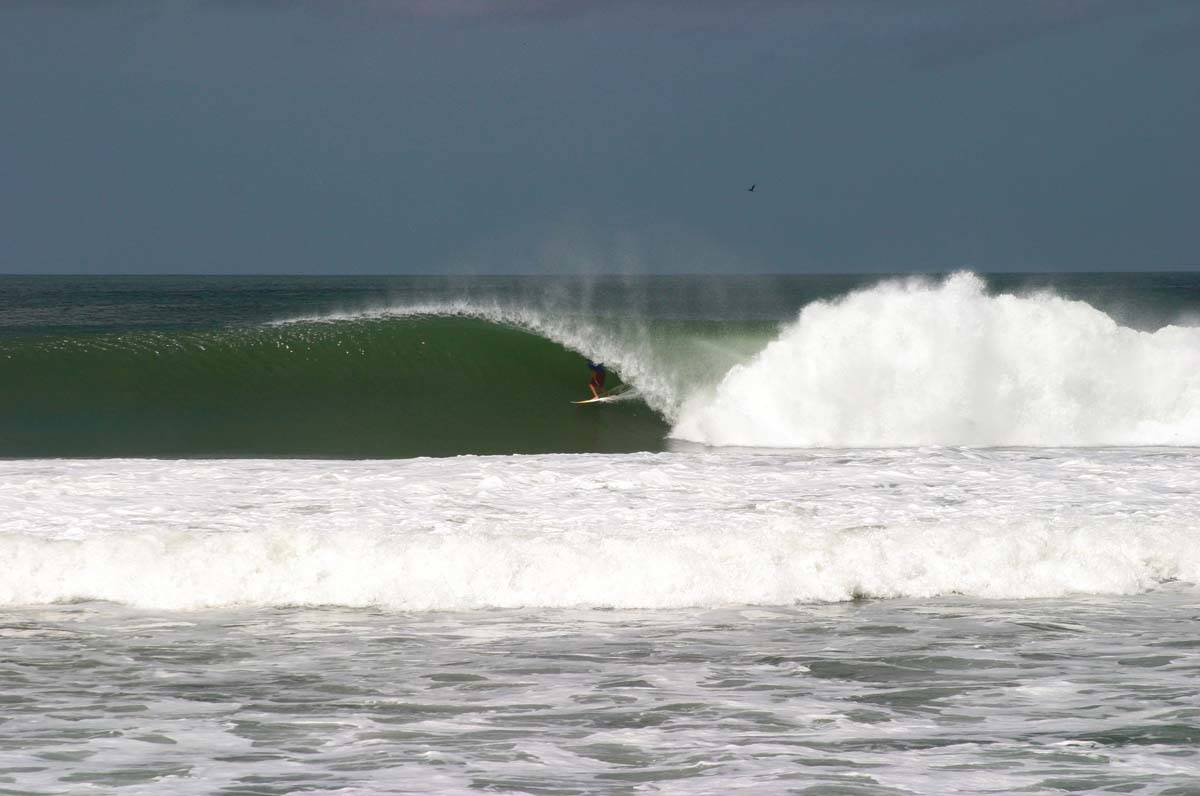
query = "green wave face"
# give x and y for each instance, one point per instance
(389, 387)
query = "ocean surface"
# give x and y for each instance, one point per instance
(841, 535)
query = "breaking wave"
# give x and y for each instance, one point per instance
(918, 363)
(901, 363)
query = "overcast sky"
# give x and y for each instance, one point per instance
(381, 136)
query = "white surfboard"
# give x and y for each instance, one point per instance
(603, 399)
(618, 394)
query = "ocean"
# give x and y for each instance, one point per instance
(840, 535)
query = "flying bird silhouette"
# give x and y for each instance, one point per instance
(751, 188)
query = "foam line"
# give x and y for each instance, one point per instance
(632, 531)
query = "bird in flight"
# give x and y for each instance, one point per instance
(751, 188)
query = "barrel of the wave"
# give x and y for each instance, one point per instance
(596, 385)
(391, 387)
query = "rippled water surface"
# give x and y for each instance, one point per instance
(868, 697)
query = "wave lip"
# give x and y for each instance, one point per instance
(665, 362)
(632, 531)
(918, 363)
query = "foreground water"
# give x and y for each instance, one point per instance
(876, 697)
(604, 624)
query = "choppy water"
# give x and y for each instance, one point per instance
(683, 642)
(875, 697)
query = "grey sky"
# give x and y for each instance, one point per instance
(378, 136)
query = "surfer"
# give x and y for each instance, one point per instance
(596, 385)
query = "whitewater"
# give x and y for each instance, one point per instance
(921, 363)
(632, 531)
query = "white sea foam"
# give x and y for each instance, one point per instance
(915, 363)
(634, 531)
